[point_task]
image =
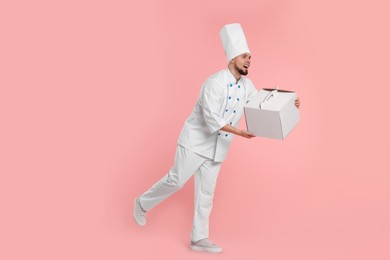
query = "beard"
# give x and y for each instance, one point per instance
(241, 71)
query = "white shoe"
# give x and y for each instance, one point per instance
(205, 245)
(139, 214)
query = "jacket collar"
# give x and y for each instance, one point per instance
(231, 77)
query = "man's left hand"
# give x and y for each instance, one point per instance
(297, 102)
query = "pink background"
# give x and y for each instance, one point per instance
(93, 97)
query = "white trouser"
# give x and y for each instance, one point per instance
(186, 164)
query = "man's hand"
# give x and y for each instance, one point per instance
(297, 102)
(246, 134)
(236, 131)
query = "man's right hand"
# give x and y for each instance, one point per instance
(246, 134)
(236, 131)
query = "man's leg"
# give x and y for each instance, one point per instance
(186, 164)
(205, 181)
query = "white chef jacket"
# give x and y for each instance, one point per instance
(220, 102)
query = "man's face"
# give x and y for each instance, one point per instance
(242, 63)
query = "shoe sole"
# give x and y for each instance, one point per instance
(134, 215)
(206, 249)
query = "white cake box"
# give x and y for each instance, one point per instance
(272, 113)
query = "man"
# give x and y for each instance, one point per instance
(205, 138)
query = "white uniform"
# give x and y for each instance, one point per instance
(202, 146)
(221, 102)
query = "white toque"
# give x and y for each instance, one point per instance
(233, 40)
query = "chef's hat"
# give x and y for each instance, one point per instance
(233, 40)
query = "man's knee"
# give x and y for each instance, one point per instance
(173, 180)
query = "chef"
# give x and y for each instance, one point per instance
(205, 138)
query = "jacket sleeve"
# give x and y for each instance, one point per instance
(251, 91)
(212, 98)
